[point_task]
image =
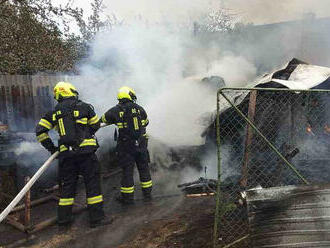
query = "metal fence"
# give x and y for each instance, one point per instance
(267, 138)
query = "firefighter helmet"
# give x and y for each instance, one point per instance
(63, 90)
(126, 93)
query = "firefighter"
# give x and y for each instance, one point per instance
(76, 123)
(131, 121)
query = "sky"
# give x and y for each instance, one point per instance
(255, 11)
(269, 11)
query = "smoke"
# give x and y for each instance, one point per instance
(233, 74)
(30, 157)
(255, 11)
(268, 11)
(153, 61)
(165, 65)
(162, 11)
(252, 11)
(28, 148)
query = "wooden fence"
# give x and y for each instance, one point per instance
(25, 98)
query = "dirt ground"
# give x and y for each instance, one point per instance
(190, 225)
(171, 221)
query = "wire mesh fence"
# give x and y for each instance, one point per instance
(267, 138)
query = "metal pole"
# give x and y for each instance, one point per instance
(27, 187)
(217, 208)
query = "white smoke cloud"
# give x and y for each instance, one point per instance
(28, 148)
(153, 61)
(269, 11)
(256, 11)
(171, 11)
(236, 70)
(160, 11)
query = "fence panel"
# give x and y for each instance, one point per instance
(25, 98)
(267, 138)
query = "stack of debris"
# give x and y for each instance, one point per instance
(8, 143)
(200, 187)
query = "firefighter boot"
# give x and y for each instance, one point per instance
(64, 227)
(125, 199)
(64, 217)
(147, 197)
(103, 222)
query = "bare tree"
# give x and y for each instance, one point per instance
(95, 23)
(217, 21)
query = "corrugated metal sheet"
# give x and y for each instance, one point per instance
(292, 216)
(301, 77)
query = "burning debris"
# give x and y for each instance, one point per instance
(200, 187)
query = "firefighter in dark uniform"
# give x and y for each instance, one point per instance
(76, 123)
(131, 121)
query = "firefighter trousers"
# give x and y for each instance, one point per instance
(128, 156)
(70, 168)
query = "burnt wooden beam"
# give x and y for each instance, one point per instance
(249, 136)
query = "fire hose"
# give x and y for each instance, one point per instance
(28, 186)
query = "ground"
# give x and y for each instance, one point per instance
(190, 225)
(170, 221)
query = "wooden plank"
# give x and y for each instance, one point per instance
(11, 221)
(42, 225)
(249, 136)
(34, 203)
(27, 216)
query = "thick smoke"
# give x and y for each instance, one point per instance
(153, 62)
(165, 66)
(239, 75)
(164, 62)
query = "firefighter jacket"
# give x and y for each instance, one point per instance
(84, 122)
(130, 118)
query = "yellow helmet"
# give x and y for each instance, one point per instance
(126, 93)
(63, 90)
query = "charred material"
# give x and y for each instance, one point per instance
(202, 185)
